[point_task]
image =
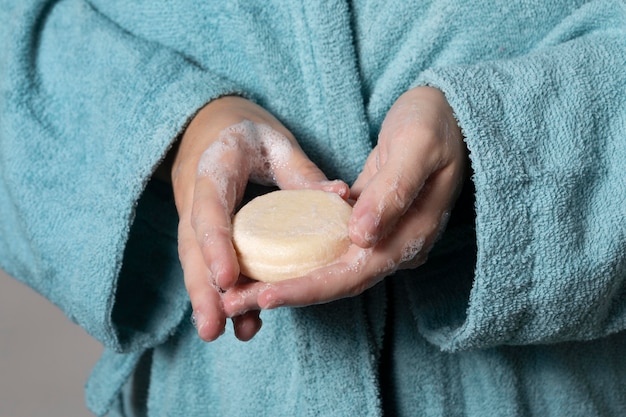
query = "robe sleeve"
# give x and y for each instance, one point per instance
(547, 139)
(87, 111)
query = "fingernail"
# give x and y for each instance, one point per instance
(336, 186)
(271, 300)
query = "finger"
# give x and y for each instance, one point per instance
(208, 316)
(390, 191)
(349, 277)
(219, 185)
(434, 204)
(369, 170)
(211, 222)
(424, 221)
(361, 269)
(345, 279)
(300, 172)
(242, 298)
(247, 325)
(282, 162)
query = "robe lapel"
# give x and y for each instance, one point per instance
(333, 86)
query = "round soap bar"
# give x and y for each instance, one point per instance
(288, 233)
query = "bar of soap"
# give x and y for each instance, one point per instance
(289, 233)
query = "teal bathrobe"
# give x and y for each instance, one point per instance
(518, 312)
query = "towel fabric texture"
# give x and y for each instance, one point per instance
(520, 312)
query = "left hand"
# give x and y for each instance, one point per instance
(230, 142)
(403, 198)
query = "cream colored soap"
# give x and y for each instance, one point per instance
(288, 233)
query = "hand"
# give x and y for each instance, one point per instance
(229, 142)
(403, 198)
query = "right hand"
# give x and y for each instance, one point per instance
(230, 142)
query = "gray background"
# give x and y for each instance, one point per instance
(45, 359)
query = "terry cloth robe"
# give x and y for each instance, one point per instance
(520, 312)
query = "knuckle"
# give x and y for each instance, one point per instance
(208, 235)
(400, 194)
(197, 216)
(184, 252)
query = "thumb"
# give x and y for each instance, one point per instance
(284, 163)
(387, 194)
